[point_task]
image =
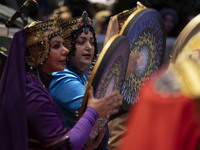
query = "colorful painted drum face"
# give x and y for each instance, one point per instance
(145, 30)
(108, 74)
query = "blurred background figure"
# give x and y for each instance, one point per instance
(101, 20)
(171, 21)
(64, 12)
(100, 12)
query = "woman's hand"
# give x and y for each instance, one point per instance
(108, 105)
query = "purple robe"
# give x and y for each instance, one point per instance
(28, 111)
(13, 127)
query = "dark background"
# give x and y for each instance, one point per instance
(184, 8)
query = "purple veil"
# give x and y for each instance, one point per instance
(13, 128)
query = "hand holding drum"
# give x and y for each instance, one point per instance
(108, 105)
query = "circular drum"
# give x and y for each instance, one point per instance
(108, 74)
(145, 30)
(4, 48)
(187, 43)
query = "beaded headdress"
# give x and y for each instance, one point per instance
(73, 27)
(38, 36)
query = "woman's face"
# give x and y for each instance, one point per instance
(84, 51)
(169, 22)
(56, 60)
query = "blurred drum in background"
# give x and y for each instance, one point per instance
(187, 43)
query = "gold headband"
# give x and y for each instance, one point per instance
(38, 36)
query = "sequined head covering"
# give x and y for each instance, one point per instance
(38, 41)
(74, 27)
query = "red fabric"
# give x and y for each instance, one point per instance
(160, 122)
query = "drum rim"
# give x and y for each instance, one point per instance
(114, 39)
(190, 30)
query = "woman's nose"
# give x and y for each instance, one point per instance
(88, 45)
(65, 51)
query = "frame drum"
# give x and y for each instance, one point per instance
(187, 43)
(108, 74)
(146, 33)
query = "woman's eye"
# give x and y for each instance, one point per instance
(80, 42)
(92, 42)
(56, 46)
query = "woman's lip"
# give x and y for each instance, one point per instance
(87, 56)
(63, 62)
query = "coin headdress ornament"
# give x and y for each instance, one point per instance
(38, 39)
(74, 27)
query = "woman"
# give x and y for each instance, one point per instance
(81, 41)
(29, 117)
